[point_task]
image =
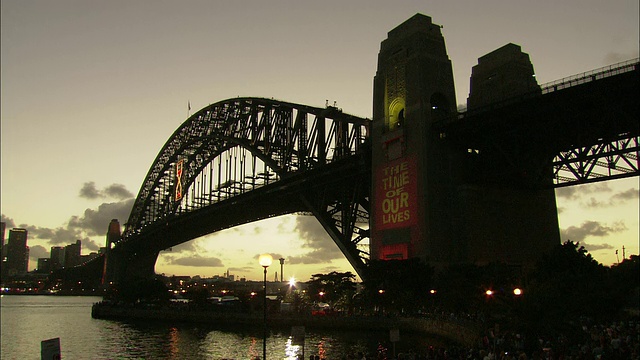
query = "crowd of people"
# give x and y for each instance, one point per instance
(616, 341)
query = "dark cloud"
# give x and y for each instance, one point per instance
(195, 261)
(38, 251)
(243, 269)
(592, 248)
(8, 221)
(91, 245)
(186, 247)
(95, 222)
(113, 191)
(577, 191)
(615, 200)
(590, 229)
(627, 195)
(315, 238)
(117, 191)
(89, 191)
(55, 236)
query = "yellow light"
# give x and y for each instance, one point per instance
(265, 260)
(432, 291)
(489, 292)
(517, 291)
(381, 291)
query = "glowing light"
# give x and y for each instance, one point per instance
(292, 281)
(517, 291)
(489, 292)
(432, 291)
(265, 260)
(381, 291)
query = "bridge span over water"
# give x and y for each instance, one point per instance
(246, 159)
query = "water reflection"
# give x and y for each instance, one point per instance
(33, 319)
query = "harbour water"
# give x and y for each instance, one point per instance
(27, 320)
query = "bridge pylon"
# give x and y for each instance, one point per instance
(427, 202)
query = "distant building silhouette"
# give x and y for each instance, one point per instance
(17, 262)
(72, 254)
(57, 257)
(44, 265)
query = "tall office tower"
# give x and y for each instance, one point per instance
(57, 257)
(3, 250)
(44, 265)
(428, 201)
(17, 252)
(72, 254)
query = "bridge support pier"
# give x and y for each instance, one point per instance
(129, 266)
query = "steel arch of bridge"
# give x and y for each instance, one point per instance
(237, 146)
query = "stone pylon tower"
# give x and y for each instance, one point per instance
(412, 169)
(435, 199)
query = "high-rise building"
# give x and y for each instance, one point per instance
(44, 265)
(57, 257)
(72, 254)
(3, 250)
(17, 253)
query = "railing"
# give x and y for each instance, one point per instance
(597, 74)
(564, 83)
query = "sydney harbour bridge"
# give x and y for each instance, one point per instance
(245, 159)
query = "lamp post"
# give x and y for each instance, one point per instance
(265, 260)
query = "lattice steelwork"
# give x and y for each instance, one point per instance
(605, 161)
(236, 146)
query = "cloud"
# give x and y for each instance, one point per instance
(55, 236)
(590, 229)
(10, 224)
(117, 191)
(315, 238)
(627, 195)
(95, 222)
(195, 261)
(89, 191)
(38, 251)
(113, 191)
(615, 200)
(577, 191)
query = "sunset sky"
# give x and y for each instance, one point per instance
(91, 90)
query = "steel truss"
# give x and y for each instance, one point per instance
(598, 162)
(239, 145)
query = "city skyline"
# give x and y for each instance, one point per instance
(91, 91)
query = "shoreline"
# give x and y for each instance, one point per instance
(451, 331)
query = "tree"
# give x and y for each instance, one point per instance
(566, 284)
(399, 286)
(337, 288)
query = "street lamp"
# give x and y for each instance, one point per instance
(265, 260)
